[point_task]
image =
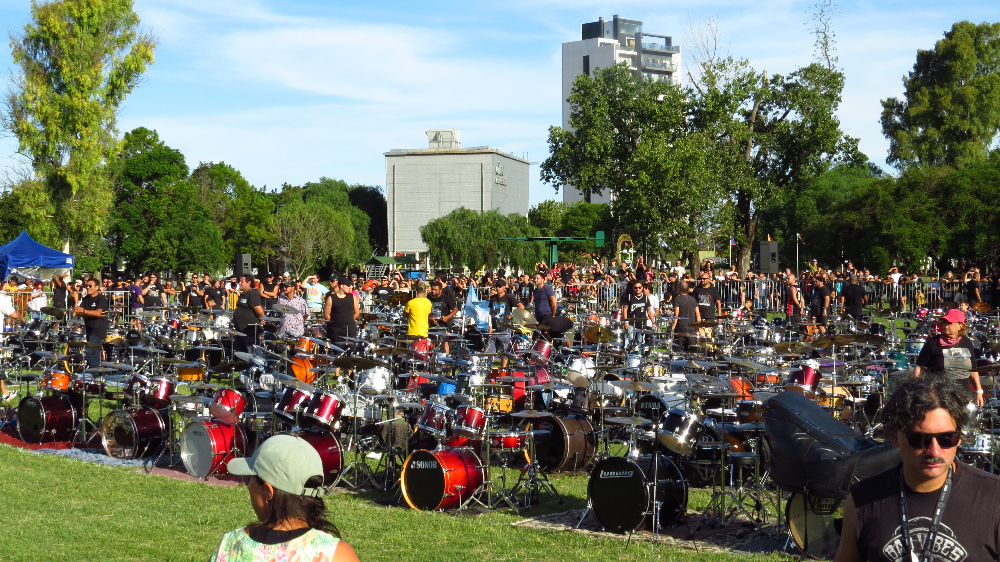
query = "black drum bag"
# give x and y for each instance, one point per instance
(813, 452)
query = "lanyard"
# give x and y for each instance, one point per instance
(904, 523)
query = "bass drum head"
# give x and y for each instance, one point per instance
(422, 481)
(809, 517)
(569, 445)
(132, 433)
(52, 417)
(620, 496)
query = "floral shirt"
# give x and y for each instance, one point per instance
(293, 324)
(314, 546)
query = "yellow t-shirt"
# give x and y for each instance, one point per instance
(417, 311)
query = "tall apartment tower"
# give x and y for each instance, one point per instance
(605, 43)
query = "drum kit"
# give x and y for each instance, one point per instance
(647, 414)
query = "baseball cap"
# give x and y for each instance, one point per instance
(954, 315)
(285, 462)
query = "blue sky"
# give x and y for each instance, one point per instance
(293, 90)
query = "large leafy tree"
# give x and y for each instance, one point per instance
(950, 110)
(309, 234)
(371, 201)
(547, 216)
(76, 62)
(244, 213)
(473, 239)
(336, 194)
(159, 223)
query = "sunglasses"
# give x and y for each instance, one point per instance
(946, 440)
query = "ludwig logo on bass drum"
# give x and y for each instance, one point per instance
(616, 473)
(419, 465)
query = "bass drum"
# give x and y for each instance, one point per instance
(330, 452)
(813, 526)
(441, 479)
(621, 493)
(569, 445)
(133, 433)
(207, 447)
(52, 417)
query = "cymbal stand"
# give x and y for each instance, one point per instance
(532, 480)
(717, 510)
(358, 465)
(496, 493)
(81, 432)
(390, 472)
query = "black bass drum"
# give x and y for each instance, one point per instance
(621, 493)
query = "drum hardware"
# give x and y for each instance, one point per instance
(358, 466)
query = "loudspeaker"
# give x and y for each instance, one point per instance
(765, 257)
(242, 265)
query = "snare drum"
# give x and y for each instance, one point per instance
(422, 348)
(374, 381)
(324, 409)
(508, 440)
(291, 402)
(470, 422)
(748, 411)
(207, 447)
(133, 433)
(191, 374)
(227, 406)
(440, 479)
(540, 352)
(804, 380)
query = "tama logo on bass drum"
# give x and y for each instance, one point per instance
(418, 465)
(616, 473)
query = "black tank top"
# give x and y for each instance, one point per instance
(969, 527)
(341, 309)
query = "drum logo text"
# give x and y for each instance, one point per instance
(616, 474)
(418, 465)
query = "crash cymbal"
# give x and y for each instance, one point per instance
(284, 308)
(410, 405)
(149, 314)
(439, 379)
(99, 370)
(205, 386)
(986, 368)
(703, 324)
(722, 395)
(358, 363)
(690, 364)
(521, 316)
(292, 381)
(705, 380)
(149, 349)
(230, 332)
(634, 420)
(531, 414)
(637, 386)
(399, 298)
(190, 399)
(391, 351)
(598, 334)
(50, 355)
(795, 347)
(577, 379)
(979, 307)
(284, 342)
(179, 362)
(52, 311)
(232, 366)
(118, 366)
(742, 362)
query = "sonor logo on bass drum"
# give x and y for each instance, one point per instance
(419, 465)
(616, 473)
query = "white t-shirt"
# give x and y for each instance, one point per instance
(679, 270)
(6, 308)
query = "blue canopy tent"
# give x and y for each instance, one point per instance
(26, 258)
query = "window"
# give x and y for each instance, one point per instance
(586, 64)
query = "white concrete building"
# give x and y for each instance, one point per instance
(427, 183)
(605, 43)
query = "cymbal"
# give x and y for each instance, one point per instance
(439, 379)
(577, 379)
(986, 368)
(521, 316)
(978, 307)
(148, 314)
(724, 395)
(399, 298)
(706, 380)
(292, 381)
(742, 362)
(50, 355)
(634, 420)
(190, 399)
(598, 334)
(283, 308)
(205, 386)
(358, 363)
(530, 414)
(391, 351)
(232, 366)
(793, 347)
(171, 361)
(118, 366)
(637, 386)
(690, 364)
(550, 386)
(703, 324)
(99, 370)
(149, 349)
(52, 311)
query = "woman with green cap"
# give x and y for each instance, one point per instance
(286, 485)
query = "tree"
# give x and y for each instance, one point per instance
(371, 201)
(547, 216)
(244, 213)
(582, 220)
(335, 193)
(472, 239)
(309, 234)
(950, 111)
(76, 61)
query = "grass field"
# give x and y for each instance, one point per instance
(61, 509)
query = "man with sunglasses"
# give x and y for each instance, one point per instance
(929, 507)
(92, 308)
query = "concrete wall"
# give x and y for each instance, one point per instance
(423, 185)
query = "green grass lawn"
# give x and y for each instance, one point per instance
(61, 509)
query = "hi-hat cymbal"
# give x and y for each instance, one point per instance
(531, 414)
(794, 347)
(52, 311)
(357, 363)
(979, 307)
(637, 386)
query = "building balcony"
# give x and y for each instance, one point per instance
(661, 47)
(667, 66)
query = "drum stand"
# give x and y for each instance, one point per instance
(81, 432)
(532, 480)
(502, 495)
(717, 511)
(358, 465)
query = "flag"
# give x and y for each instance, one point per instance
(477, 309)
(770, 238)
(799, 236)
(732, 241)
